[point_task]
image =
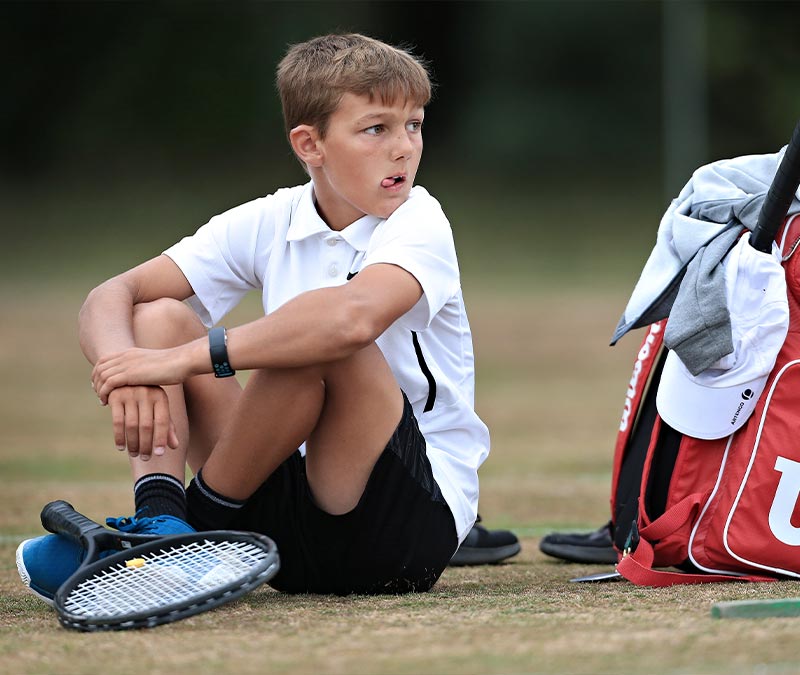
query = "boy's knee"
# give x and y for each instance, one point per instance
(165, 322)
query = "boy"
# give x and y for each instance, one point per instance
(363, 358)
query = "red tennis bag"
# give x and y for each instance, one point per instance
(719, 510)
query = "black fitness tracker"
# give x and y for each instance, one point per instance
(218, 346)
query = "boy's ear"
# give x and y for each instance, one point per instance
(305, 142)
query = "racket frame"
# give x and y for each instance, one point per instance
(173, 611)
(60, 517)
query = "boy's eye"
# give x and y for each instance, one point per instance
(416, 125)
(374, 130)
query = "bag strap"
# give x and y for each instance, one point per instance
(637, 566)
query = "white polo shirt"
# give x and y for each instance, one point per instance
(280, 245)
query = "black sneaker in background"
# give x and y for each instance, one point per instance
(581, 547)
(486, 547)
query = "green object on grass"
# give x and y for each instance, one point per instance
(756, 609)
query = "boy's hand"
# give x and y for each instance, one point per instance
(140, 367)
(141, 420)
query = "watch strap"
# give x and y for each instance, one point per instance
(218, 347)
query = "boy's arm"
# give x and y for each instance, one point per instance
(326, 324)
(105, 326)
(318, 326)
(105, 322)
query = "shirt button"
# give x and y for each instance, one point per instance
(333, 270)
(332, 242)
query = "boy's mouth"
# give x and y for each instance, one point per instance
(391, 181)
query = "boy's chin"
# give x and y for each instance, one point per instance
(390, 206)
(384, 213)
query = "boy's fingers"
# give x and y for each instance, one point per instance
(141, 421)
(146, 427)
(118, 424)
(173, 441)
(106, 378)
(132, 429)
(105, 386)
(98, 377)
(162, 426)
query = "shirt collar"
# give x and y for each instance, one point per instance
(306, 222)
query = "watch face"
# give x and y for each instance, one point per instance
(223, 369)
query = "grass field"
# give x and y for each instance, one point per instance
(551, 391)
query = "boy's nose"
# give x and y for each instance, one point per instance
(403, 146)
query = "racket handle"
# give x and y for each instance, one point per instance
(779, 196)
(59, 517)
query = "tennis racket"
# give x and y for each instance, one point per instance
(141, 581)
(779, 196)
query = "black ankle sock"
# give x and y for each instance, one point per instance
(209, 510)
(159, 494)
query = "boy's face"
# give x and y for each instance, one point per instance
(368, 159)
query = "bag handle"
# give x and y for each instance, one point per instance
(637, 567)
(642, 574)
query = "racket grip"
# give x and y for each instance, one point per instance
(779, 196)
(59, 517)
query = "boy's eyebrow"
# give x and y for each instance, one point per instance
(384, 113)
(373, 116)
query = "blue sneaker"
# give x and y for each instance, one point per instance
(160, 525)
(46, 562)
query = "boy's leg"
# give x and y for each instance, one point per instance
(346, 412)
(200, 406)
(197, 410)
(349, 413)
(362, 512)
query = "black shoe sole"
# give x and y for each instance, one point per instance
(474, 555)
(600, 555)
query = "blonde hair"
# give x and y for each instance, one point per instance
(314, 75)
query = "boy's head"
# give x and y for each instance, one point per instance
(314, 75)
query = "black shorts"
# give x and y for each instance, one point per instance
(399, 537)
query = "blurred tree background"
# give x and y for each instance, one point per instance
(125, 125)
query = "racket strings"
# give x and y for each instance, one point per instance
(164, 577)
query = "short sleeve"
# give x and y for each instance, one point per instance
(226, 257)
(418, 238)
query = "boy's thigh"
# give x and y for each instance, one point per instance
(399, 537)
(363, 404)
